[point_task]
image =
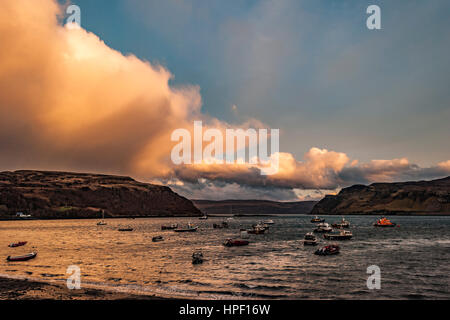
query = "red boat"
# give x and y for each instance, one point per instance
(17, 244)
(22, 258)
(328, 250)
(383, 222)
(235, 243)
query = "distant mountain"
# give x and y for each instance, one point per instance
(253, 207)
(419, 197)
(45, 194)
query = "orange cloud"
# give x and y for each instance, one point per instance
(70, 102)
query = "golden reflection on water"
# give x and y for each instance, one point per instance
(275, 265)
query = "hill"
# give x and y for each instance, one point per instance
(45, 194)
(416, 197)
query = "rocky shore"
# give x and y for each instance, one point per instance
(18, 289)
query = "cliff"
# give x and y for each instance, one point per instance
(419, 197)
(46, 194)
(254, 207)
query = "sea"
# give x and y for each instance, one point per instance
(411, 261)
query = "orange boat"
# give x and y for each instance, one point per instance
(384, 222)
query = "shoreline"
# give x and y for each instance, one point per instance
(25, 289)
(217, 215)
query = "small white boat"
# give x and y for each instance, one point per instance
(102, 223)
(205, 217)
(310, 239)
(323, 227)
(190, 228)
(270, 221)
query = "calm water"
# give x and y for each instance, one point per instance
(414, 259)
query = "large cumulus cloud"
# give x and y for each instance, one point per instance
(70, 102)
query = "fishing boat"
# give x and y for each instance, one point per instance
(328, 250)
(310, 239)
(342, 235)
(102, 222)
(257, 229)
(157, 239)
(125, 229)
(317, 219)
(205, 217)
(197, 257)
(25, 257)
(190, 228)
(384, 222)
(17, 244)
(170, 227)
(323, 227)
(341, 225)
(235, 243)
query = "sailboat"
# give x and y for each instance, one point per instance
(102, 223)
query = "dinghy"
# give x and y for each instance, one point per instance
(22, 258)
(17, 244)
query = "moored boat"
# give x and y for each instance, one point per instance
(323, 227)
(25, 257)
(384, 222)
(342, 235)
(190, 228)
(310, 239)
(157, 239)
(169, 227)
(102, 222)
(341, 225)
(125, 229)
(317, 219)
(235, 242)
(197, 257)
(257, 229)
(328, 250)
(270, 221)
(17, 244)
(205, 217)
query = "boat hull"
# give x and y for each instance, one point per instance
(322, 230)
(169, 227)
(22, 258)
(185, 230)
(235, 243)
(384, 225)
(17, 244)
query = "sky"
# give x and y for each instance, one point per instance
(353, 105)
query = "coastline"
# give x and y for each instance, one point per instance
(217, 215)
(25, 289)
